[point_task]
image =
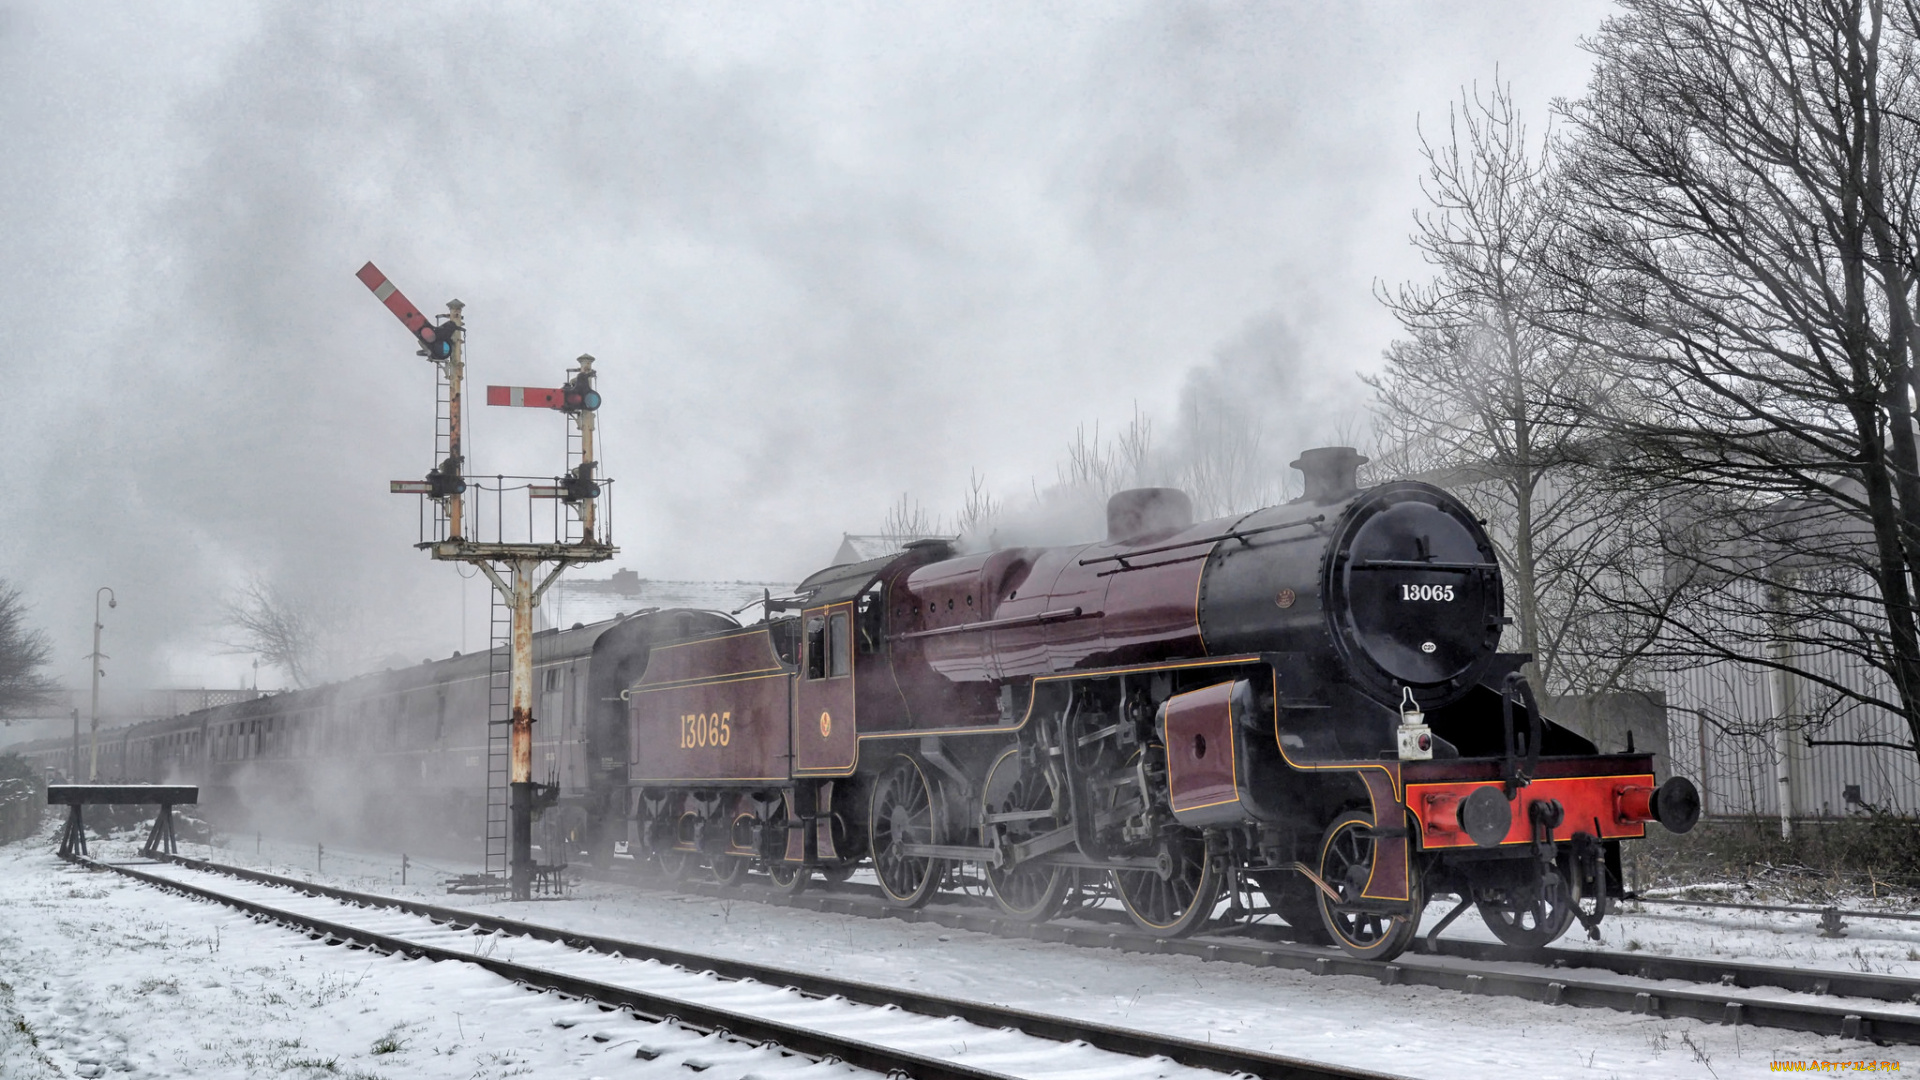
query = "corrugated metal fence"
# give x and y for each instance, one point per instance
(1725, 721)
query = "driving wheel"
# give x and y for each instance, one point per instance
(903, 813)
(675, 863)
(1031, 891)
(1178, 899)
(729, 870)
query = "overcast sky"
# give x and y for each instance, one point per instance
(825, 255)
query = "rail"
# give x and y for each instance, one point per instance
(1830, 916)
(1469, 967)
(804, 1040)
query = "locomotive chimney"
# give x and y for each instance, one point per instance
(1144, 511)
(1331, 473)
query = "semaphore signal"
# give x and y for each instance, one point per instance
(578, 399)
(518, 568)
(436, 341)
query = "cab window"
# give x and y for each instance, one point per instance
(870, 628)
(816, 647)
(839, 644)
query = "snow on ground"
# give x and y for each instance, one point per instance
(992, 1049)
(1877, 946)
(1414, 1031)
(102, 976)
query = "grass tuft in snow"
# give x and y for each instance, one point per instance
(390, 1043)
(20, 1053)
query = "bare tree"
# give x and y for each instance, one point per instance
(312, 639)
(979, 511)
(908, 521)
(1096, 468)
(1739, 246)
(1220, 464)
(1476, 395)
(23, 653)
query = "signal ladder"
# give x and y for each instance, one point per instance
(499, 731)
(570, 521)
(442, 441)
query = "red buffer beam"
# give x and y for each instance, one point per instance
(397, 302)
(532, 397)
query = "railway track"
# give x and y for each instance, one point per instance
(431, 932)
(1823, 1002)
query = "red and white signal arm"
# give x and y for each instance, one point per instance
(531, 397)
(387, 293)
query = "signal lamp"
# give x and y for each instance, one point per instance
(579, 485)
(446, 481)
(579, 395)
(437, 341)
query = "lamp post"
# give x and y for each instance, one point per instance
(93, 764)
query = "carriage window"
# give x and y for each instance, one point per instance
(816, 647)
(840, 651)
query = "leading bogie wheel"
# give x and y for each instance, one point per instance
(1347, 853)
(1179, 898)
(902, 813)
(1527, 917)
(1031, 892)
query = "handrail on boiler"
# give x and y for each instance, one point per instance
(1056, 615)
(1232, 534)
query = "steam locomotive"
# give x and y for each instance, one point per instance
(1307, 701)
(1304, 704)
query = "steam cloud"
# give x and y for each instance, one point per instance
(824, 254)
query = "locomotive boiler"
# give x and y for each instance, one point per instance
(1305, 705)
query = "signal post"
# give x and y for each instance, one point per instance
(520, 568)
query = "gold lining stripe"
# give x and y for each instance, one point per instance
(692, 684)
(704, 779)
(1204, 805)
(745, 631)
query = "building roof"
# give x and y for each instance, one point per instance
(590, 600)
